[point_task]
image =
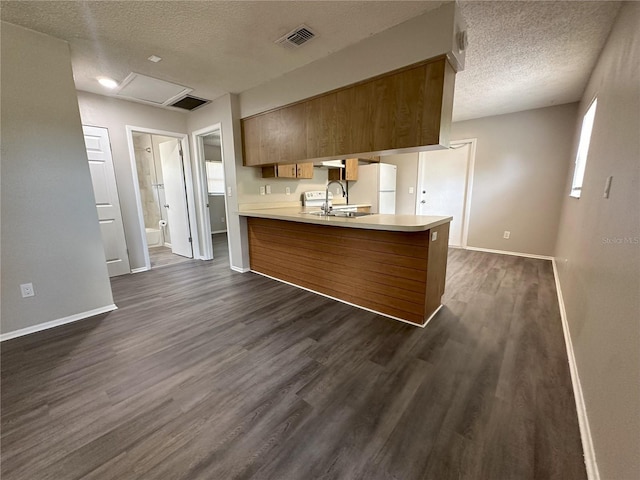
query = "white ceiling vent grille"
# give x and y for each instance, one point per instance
(141, 88)
(296, 37)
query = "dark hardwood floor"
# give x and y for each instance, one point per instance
(204, 373)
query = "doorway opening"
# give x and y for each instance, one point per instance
(161, 174)
(210, 166)
(444, 186)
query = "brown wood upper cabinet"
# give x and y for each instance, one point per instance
(405, 110)
(349, 172)
(288, 170)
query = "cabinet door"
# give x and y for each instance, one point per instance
(407, 109)
(360, 129)
(304, 170)
(287, 170)
(321, 123)
(344, 118)
(270, 140)
(293, 133)
(351, 169)
(251, 141)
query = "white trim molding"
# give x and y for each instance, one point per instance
(581, 409)
(352, 304)
(240, 270)
(139, 270)
(58, 322)
(504, 252)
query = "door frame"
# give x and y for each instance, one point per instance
(206, 252)
(183, 138)
(471, 160)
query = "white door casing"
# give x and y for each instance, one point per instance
(176, 197)
(444, 178)
(105, 191)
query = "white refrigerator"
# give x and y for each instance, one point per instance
(376, 185)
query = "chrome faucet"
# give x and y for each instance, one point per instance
(326, 208)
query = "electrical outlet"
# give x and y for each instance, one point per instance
(268, 189)
(434, 236)
(228, 191)
(338, 191)
(222, 219)
(262, 191)
(287, 191)
(27, 290)
(506, 234)
(410, 190)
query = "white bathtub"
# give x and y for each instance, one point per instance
(154, 237)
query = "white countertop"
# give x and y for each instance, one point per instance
(397, 223)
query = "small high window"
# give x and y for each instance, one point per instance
(583, 150)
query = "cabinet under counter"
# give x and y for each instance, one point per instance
(397, 273)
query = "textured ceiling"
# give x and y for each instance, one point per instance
(214, 47)
(525, 55)
(521, 54)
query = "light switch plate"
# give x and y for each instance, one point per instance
(268, 189)
(262, 191)
(410, 190)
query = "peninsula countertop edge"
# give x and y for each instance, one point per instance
(388, 222)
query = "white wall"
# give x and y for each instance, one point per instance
(521, 164)
(115, 114)
(598, 255)
(417, 39)
(522, 160)
(50, 232)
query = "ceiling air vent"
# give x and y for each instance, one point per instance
(189, 102)
(297, 37)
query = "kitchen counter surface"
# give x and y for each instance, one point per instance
(398, 223)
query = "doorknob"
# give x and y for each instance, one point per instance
(166, 205)
(423, 201)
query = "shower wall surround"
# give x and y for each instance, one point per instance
(150, 181)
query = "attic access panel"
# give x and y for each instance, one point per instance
(150, 90)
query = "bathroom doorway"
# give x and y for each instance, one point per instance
(163, 197)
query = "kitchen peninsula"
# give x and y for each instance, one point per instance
(394, 265)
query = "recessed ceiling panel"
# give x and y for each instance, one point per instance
(150, 90)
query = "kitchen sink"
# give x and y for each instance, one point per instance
(340, 213)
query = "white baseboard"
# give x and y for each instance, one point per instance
(138, 270)
(58, 322)
(241, 270)
(505, 252)
(352, 304)
(583, 420)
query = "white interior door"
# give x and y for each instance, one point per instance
(176, 197)
(96, 140)
(442, 187)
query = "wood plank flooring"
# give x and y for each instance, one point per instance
(204, 373)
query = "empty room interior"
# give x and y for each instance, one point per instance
(320, 239)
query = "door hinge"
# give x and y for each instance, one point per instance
(180, 149)
(190, 240)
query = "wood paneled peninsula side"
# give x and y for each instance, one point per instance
(394, 265)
